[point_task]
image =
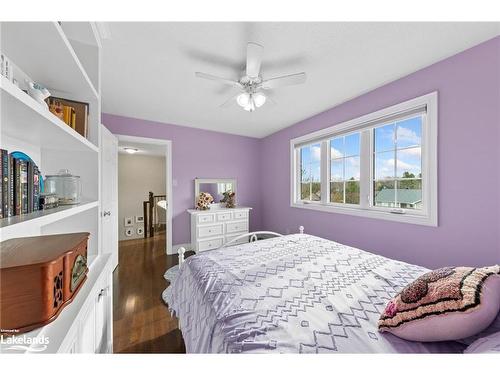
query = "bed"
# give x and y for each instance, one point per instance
(291, 294)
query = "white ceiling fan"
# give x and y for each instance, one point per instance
(252, 85)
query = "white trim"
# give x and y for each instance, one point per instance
(168, 176)
(379, 116)
(429, 214)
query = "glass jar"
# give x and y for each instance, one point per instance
(66, 186)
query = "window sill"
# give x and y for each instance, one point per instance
(370, 213)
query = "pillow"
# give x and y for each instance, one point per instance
(446, 304)
(492, 328)
(486, 344)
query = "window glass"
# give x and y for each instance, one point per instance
(345, 169)
(398, 165)
(310, 172)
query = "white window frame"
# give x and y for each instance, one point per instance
(428, 215)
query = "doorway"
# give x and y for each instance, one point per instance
(144, 189)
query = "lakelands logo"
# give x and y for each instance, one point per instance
(24, 343)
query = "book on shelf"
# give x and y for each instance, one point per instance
(74, 114)
(5, 183)
(19, 187)
(4, 188)
(24, 186)
(12, 169)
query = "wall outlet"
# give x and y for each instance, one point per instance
(128, 232)
(140, 231)
(129, 221)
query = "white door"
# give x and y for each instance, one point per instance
(109, 194)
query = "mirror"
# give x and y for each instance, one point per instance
(215, 186)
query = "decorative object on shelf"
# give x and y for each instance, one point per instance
(204, 201)
(20, 185)
(128, 232)
(74, 114)
(40, 276)
(66, 186)
(48, 201)
(229, 199)
(56, 108)
(129, 221)
(38, 92)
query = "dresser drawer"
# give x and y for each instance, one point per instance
(210, 230)
(240, 214)
(224, 216)
(237, 226)
(240, 241)
(206, 218)
(213, 243)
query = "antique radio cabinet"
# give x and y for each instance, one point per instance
(39, 276)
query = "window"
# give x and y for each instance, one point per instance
(398, 166)
(382, 165)
(310, 172)
(344, 169)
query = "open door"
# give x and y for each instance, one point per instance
(109, 194)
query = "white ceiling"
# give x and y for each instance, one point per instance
(148, 68)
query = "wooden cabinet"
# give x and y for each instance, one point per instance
(212, 228)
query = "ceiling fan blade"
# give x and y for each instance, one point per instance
(230, 102)
(288, 80)
(254, 59)
(270, 100)
(218, 79)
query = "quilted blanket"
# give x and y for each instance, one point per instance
(293, 294)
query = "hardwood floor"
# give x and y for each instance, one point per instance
(141, 321)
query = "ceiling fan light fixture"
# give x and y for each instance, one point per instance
(243, 99)
(250, 107)
(259, 99)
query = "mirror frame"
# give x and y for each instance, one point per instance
(198, 181)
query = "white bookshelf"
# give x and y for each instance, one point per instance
(59, 61)
(21, 111)
(16, 225)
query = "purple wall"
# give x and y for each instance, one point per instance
(468, 85)
(468, 156)
(204, 154)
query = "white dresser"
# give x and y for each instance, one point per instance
(212, 228)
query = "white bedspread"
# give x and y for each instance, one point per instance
(292, 294)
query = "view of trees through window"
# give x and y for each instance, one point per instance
(398, 165)
(310, 172)
(344, 169)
